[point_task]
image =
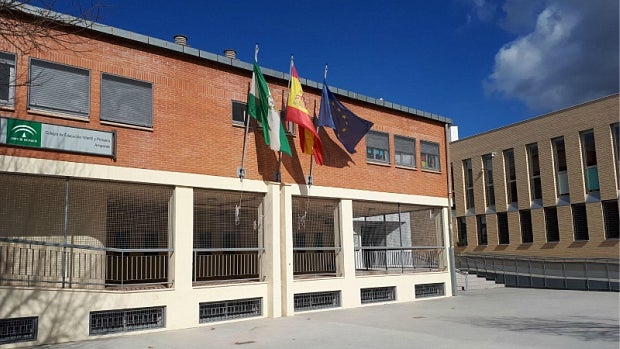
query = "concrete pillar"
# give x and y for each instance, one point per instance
(286, 249)
(346, 257)
(271, 261)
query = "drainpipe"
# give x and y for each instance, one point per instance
(452, 265)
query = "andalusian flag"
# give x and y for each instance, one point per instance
(262, 108)
(296, 112)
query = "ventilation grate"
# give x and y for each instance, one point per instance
(429, 290)
(125, 320)
(378, 294)
(18, 330)
(229, 310)
(317, 300)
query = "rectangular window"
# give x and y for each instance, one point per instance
(481, 221)
(7, 79)
(551, 224)
(469, 184)
(429, 154)
(59, 88)
(511, 176)
(239, 112)
(610, 215)
(126, 101)
(487, 168)
(588, 148)
(561, 175)
(580, 222)
(527, 234)
(534, 171)
(502, 228)
(377, 147)
(615, 134)
(404, 151)
(462, 231)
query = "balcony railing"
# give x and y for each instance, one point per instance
(399, 259)
(227, 264)
(319, 261)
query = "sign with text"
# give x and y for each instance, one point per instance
(40, 135)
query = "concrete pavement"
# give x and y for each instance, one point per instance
(490, 318)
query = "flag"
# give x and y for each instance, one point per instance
(262, 108)
(349, 128)
(296, 112)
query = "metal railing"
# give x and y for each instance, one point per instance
(45, 264)
(226, 264)
(400, 259)
(315, 260)
(545, 272)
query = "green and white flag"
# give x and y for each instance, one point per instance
(262, 108)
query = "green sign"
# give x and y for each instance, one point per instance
(24, 133)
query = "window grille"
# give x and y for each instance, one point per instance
(551, 224)
(527, 234)
(7, 79)
(16, 330)
(230, 310)
(378, 294)
(580, 222)
(126, 101)
(316, 300)
(610, 215)
(378, 147)
(481, 221)
(126, 320)
(404, 151)
(429, 154)
(429, 290)
(59, 88)
(502, 228)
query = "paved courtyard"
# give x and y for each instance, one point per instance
(491, 318)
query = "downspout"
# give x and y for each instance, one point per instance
(450, 199)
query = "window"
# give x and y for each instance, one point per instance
(469, 184)
(502, 228)
(126, 101)
(59, 88)
(462, 231)
(580, 222)
(534, 170)
(7, 79)
(551, 224)
(404, 151)
(429, 154)
(481, 221)
(610, 215)
(377, 147)
(487, 167)
(511, 176)
(527, 234)
(561, 175)
(615, 134)
(239, 112)
(588, 149)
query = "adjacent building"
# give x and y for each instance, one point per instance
(124, 210)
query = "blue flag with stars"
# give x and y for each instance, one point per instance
(348, 127)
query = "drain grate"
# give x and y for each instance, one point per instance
(317, 300)
(18, 330)
(429, 290)
(378, 294)
(230, 309)
(125, 320)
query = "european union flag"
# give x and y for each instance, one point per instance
(349, 128)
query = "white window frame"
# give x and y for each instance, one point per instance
(8, 59)
(375, 153)
(430, 161)
(401, 154)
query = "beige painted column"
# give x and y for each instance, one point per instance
(346, 257)
(286, 251)
(271, 261)
(448, 248)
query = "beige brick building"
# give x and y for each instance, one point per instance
(544, 187)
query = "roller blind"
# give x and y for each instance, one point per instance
(59, 88)
(126, 101)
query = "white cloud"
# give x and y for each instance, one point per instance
(570, 56)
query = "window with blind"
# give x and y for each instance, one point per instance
(126, 101)
(7, 79)
(429, 154)
(404, 151)
(59, 88)
(590, 164)
(377, 147)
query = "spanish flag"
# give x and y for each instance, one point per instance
(296, 112)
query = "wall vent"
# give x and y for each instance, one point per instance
(125, 320)
(430, 290)
(378, 294)
(18, 330)
(317, 300)
(230, 309)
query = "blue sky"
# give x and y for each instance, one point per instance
(484, 64)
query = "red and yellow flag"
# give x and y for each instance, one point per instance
(296, 112)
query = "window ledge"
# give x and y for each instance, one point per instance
(386, 164)
(118, 124)
(430, 170)
(405, 167)
(85, 118)
(7, 107)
